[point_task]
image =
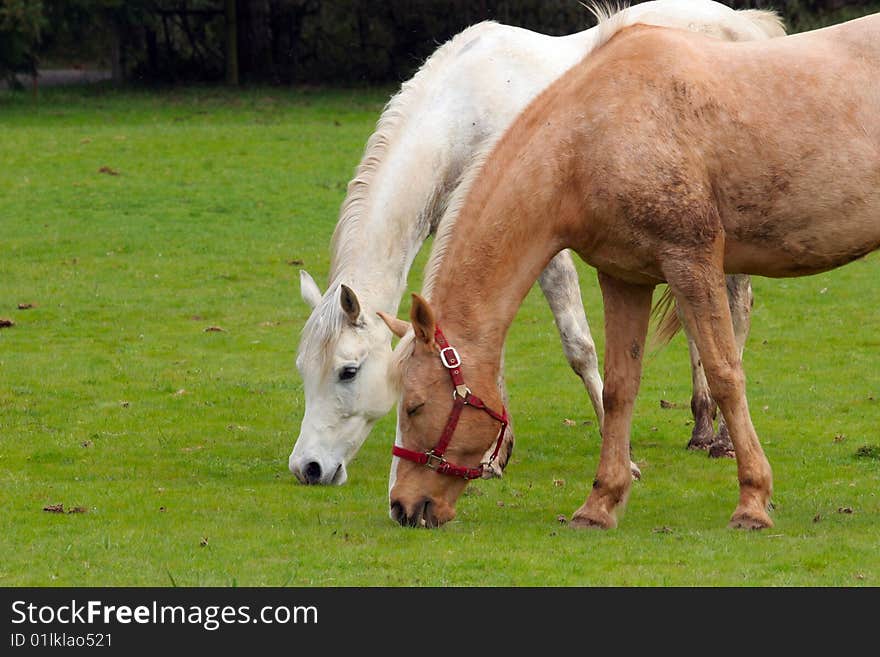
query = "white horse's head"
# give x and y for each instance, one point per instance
(343, 358)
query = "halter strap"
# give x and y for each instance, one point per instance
(461, 396)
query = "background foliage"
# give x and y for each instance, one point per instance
(21, 24)
(284, 41)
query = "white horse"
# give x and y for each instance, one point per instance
(462, 98)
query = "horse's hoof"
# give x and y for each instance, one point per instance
(592, 520)
(701, 441)
(636, 472)
(722, 446)
(750, 520)
(721, 450)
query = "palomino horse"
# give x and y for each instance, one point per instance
(663, 157)
(462, 99)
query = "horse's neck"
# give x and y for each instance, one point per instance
(395, 219)
(488, 267)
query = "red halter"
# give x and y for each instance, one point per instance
(461, 396)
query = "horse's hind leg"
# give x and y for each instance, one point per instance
(627, 313)
(560, 285)
(740, 300)
(701, 293)
(703, 407)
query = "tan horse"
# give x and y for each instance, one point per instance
(663, 157)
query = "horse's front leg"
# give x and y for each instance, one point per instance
(560, 285)
(697, 281)
(627, 313)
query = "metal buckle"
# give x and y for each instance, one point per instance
(456, 358)
(438, 460)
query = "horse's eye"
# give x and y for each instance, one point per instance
(412, 410)
(347, 373)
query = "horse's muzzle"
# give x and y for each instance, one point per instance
(425, 512)
(311, 472)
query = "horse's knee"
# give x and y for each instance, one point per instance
(616, 396)
(726, 383)
(582, 357)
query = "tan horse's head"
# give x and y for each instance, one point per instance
(419, 494)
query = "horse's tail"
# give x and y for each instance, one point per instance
(768, 22)
(667, 322)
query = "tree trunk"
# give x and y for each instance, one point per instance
(152, 51)
(231, 43)
(116, 57)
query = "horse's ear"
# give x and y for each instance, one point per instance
(350, 304)
(308, 289)
(398, 326)
(422, 319)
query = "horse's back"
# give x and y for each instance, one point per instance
(497, 67)
(681, 137)
(840, 62)
(778, 139)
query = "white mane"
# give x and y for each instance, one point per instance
(769, 22)
(344, 242)
(327, 320)
(453, 209)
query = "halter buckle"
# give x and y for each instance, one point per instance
(447, 363)
(436, 462)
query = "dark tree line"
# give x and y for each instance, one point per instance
(284, 41)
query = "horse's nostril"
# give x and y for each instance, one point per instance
(397, 512)
(313, 472)
(423, 515)
(429, 518)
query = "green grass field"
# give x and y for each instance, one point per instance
(115, 400)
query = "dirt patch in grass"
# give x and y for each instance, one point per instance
(59, 508)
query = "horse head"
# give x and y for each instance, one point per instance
(343, 359)
(442, 438)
